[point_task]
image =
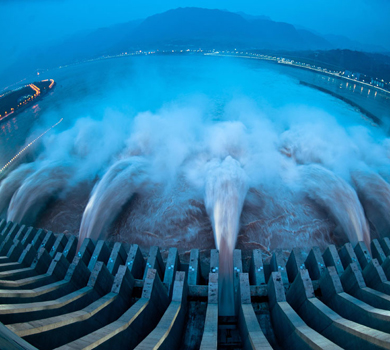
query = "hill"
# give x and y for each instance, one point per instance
(218, 29)
(181, 28)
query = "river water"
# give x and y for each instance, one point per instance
(181, 114)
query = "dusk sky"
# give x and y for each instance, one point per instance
(362, 20)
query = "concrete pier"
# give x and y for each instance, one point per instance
(172, 265)
(295, 262)
(362, 254)
(350, 307)
(214, 261)
(377, 251)
(100, 253)
(86, 250)
(289, 327)
(278, 264)
(348, 256)
(135, 324)
(375, 277)
(59, 245)
(385, 244)
(257, 276)
(353, 283)
(103, 296)
(155, 262)
(315, 263)
(210, 332)
(70, 248)
(194, 273)
(118, 257)
(343, 332)
(251, 333)
(167, 334)
(332, 258)
(135, 262)
(59, 330)
(14, 232)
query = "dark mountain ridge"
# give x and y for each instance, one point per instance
(181, 28)
(191, 26)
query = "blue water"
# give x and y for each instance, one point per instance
(147, 83)
(219, 89)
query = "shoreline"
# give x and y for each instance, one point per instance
(375, 119)
(364, 111)
(293, 65)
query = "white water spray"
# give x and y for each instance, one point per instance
(31, 197)
(11, 184)
(374, 194)
(239, 116)
(116, 187)
(338, 198)
(226, 188)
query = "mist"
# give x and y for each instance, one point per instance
(232, 164)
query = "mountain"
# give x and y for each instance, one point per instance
(207, 28)
(87, 45)
(180, 28)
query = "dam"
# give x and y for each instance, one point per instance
(108, 296)
(257, 221)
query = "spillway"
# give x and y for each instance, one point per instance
(115, 296)
(164, 219)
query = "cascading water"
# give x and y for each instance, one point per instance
(338, 198)
(273, 135)
(31, 197)
(11, 184)
(225, 191)
(374, 194)
(110, 194)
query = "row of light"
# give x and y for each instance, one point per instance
(51, 84)
(37, 92)
(300, 65)
(27, 146)
(35, 88)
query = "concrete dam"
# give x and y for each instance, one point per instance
(108, 296)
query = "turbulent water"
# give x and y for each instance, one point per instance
(110, 194)
(338, 198)
(225, 191)
(199, 152)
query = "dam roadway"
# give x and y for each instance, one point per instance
(113, 297)
(372, 101)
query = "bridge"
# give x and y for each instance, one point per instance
(111, 296)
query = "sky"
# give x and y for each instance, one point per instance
(24, 21)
